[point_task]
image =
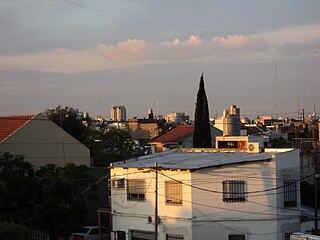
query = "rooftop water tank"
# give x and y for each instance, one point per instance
(231, 125)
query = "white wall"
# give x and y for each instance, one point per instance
(128, 215)
(258, 217)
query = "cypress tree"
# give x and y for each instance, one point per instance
(201, 134)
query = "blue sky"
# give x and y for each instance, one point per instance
(94, 54)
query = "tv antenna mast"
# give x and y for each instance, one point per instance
(276, 88)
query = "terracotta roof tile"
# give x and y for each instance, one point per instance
(175, 134)
(10, 124)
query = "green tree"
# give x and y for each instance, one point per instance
(69, 119)
(109, 145)
(60, 207)
(201, 135)
(12, 231)
(19, 189)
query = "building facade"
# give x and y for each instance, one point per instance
(41, 141)
(207, 194)
(118, 114)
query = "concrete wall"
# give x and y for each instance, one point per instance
(204, 215)
(42, 142)
(133, 215)
(258, 217)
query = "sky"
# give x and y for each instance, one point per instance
(263, 56)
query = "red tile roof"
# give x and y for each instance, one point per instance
(175, 134)
(10, 124)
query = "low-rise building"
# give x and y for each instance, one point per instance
(40, 141)
(201, 194)
(180, 136)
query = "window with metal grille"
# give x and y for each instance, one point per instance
(234, 191)
(136, 189)
(236, 237)
(121, 235)
(173, 193)
(290, 193)
(287, 236)
(174, 237)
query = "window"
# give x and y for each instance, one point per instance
(236, 237)
(121, 235)
(290, 193)
(287, 236)
(117, 183)
(234, 191)
(173, 193)
(94, 231)
(141, 235)
(174, 237)
(136, 189)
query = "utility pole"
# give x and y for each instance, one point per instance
(316, 177)
(156, 205)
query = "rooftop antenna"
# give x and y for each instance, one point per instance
(157, 108)
(100, 106)
(298, 105)
(276, 87)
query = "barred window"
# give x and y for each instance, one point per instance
(121, 235)
(173, 193)
(287, 236)
(236, 237)
(136, 189)
(234, 191)
(174, 237)
(290, 193)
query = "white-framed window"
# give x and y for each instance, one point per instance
(117, 183)
(236, 237)
(289, 193)
(174, 237)
(234, 191)
(173, 192)
(136, 189)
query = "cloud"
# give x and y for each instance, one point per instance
(301, 48)
(130, 52)
(236, 43)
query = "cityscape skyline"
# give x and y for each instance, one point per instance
(93, 55)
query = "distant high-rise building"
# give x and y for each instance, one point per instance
(118, 113)
(150, 113)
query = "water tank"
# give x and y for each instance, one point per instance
(231, 125)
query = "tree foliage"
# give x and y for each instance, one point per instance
(19, 189)
(12, 231)
(109, 145)
(49, 199)
(60, 208)
(69, 119)
(201, 135)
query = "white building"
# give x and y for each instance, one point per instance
(177, 117)
(118, 113)
(207, 194)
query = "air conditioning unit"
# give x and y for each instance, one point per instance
(254, 147)
(117, 183)
(151, 219)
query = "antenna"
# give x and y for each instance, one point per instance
(157, 108)
(276, 87)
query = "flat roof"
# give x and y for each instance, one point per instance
(192, 160)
